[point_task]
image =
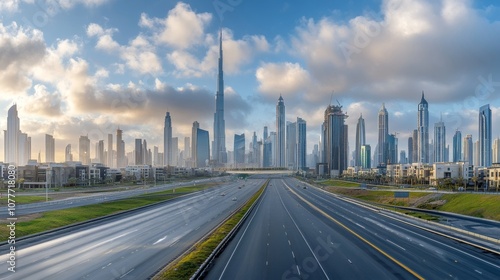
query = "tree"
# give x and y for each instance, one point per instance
(72, 181)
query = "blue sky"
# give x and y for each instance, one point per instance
(88, 66)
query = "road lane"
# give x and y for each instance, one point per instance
(283, 239)
(131, 247)
(430, 255)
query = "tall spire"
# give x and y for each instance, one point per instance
(219, 148)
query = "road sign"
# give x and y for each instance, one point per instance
(401, 194)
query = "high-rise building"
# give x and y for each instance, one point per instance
(360, 140)
(187, 147)
(202, 148)
(439, 141)
(175, 151)
(84, 150)
(280, 133)
(301, 146)
(100, 151)
(383, 132)
(468, 149)
(11, 137)
(68, 156)
(267, 153)
(167, 140)
(138, 152)
(109, 160)
(365, 153)
(392, 149)
(402, 157)
(219, 153)
(334, 137)
(485, 136)
(120, 150)
(496, 151)
(423, 130)
(457, 146)
(291, 145)
(24, 146)
(194, 144)
(410, 150)
(239, 149)
(265, 133)
(414, 155)
(50, 151)
(273, 138)
(477, 152)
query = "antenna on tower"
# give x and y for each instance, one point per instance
(331, 97)
(338, 102)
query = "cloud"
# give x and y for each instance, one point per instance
(139, 55)
(283, 78)
(441, 47)
(41, 103)
(21, 50)
(181, 29)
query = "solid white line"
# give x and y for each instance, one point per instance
(478, 271)
(303, 237)
(395, 244)
(241, 238)
(360, 226)
(298, 269)
(293, 255)
(349, 260)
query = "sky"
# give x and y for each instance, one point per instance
(87, 67)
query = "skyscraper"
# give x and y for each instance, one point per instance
(194, 140)
(280, 133)
(360, 140)
(84, 150)
(439, 141)
(423, 130)
(485, 136)
(167, 140)
(138, 152)
(11, 137)
(457, 146)
(334, 137)
(414, 155)
(468, 149)
(239, 149)
(202, 148)
(291, 145)
(496, 151)
(187, 147)
(301, 145)
(175, 151)
(383, 132)
(392, 149)
(68, 156)
(49, 148)
(100, 151)
(120, 149)
(109, 161)
(365, 153)
(410, 150)
(219, 153)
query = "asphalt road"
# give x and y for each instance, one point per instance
(328, 238)
(131, 247)
(39, 207)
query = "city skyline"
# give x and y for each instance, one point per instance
(88, 79)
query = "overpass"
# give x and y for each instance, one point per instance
(282, 171)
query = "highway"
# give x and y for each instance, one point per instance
(130, 247)
(298, 233)
(39, 207)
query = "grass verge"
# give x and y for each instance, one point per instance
(59, 218)
(187, 266)
(339, 183)
(22, 199)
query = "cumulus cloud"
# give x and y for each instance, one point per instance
(181, 29)
(21, 50)
(283, 78)
(139, 54)
(438, 46)
(41, 103)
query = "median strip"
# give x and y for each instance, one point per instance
(201, 253)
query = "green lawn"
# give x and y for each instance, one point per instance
(477, 205)
(54, 219)
(24, 199)
(339, 183)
